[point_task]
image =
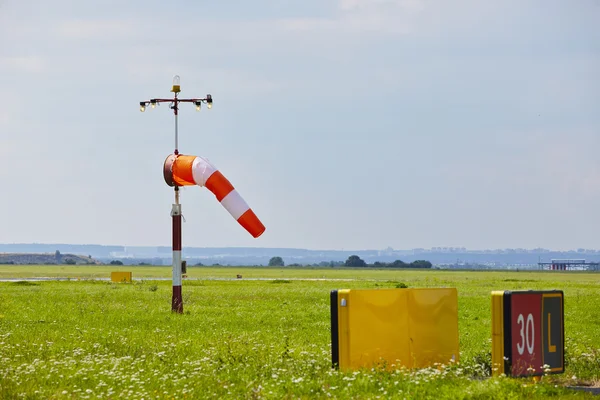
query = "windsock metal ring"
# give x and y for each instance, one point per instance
(182, 170)
(168, 170)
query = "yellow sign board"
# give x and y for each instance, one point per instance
(414, 328)
(120, 277)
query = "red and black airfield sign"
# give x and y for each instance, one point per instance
(528, 332)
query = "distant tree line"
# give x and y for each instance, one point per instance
(355, 261)
(402, 264)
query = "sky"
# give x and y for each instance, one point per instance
(345, 124)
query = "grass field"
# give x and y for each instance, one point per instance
(254, 338)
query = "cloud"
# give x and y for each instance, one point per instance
(4, 118)
(570, 163)
(107, 29)
(30, 64)
(554, 164)
(379, 6)
(466, 19)
(395, 17)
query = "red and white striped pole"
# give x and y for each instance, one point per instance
(177, 299)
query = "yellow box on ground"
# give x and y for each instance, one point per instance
(414, 328)
(120, 277)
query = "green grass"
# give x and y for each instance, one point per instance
(244, 338)
(443, 276)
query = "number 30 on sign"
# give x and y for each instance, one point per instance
(527, 332)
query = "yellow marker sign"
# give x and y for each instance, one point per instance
(120, 277)
(498, 333)
(414, 328)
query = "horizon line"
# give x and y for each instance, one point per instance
(309, 249)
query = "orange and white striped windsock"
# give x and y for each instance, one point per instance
(182, 170)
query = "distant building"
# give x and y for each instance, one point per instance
(569, 265)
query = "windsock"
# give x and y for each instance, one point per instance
(182, 170)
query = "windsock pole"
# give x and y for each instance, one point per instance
(177, 299)
(176, 216)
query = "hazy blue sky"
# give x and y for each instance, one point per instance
(344, 124)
